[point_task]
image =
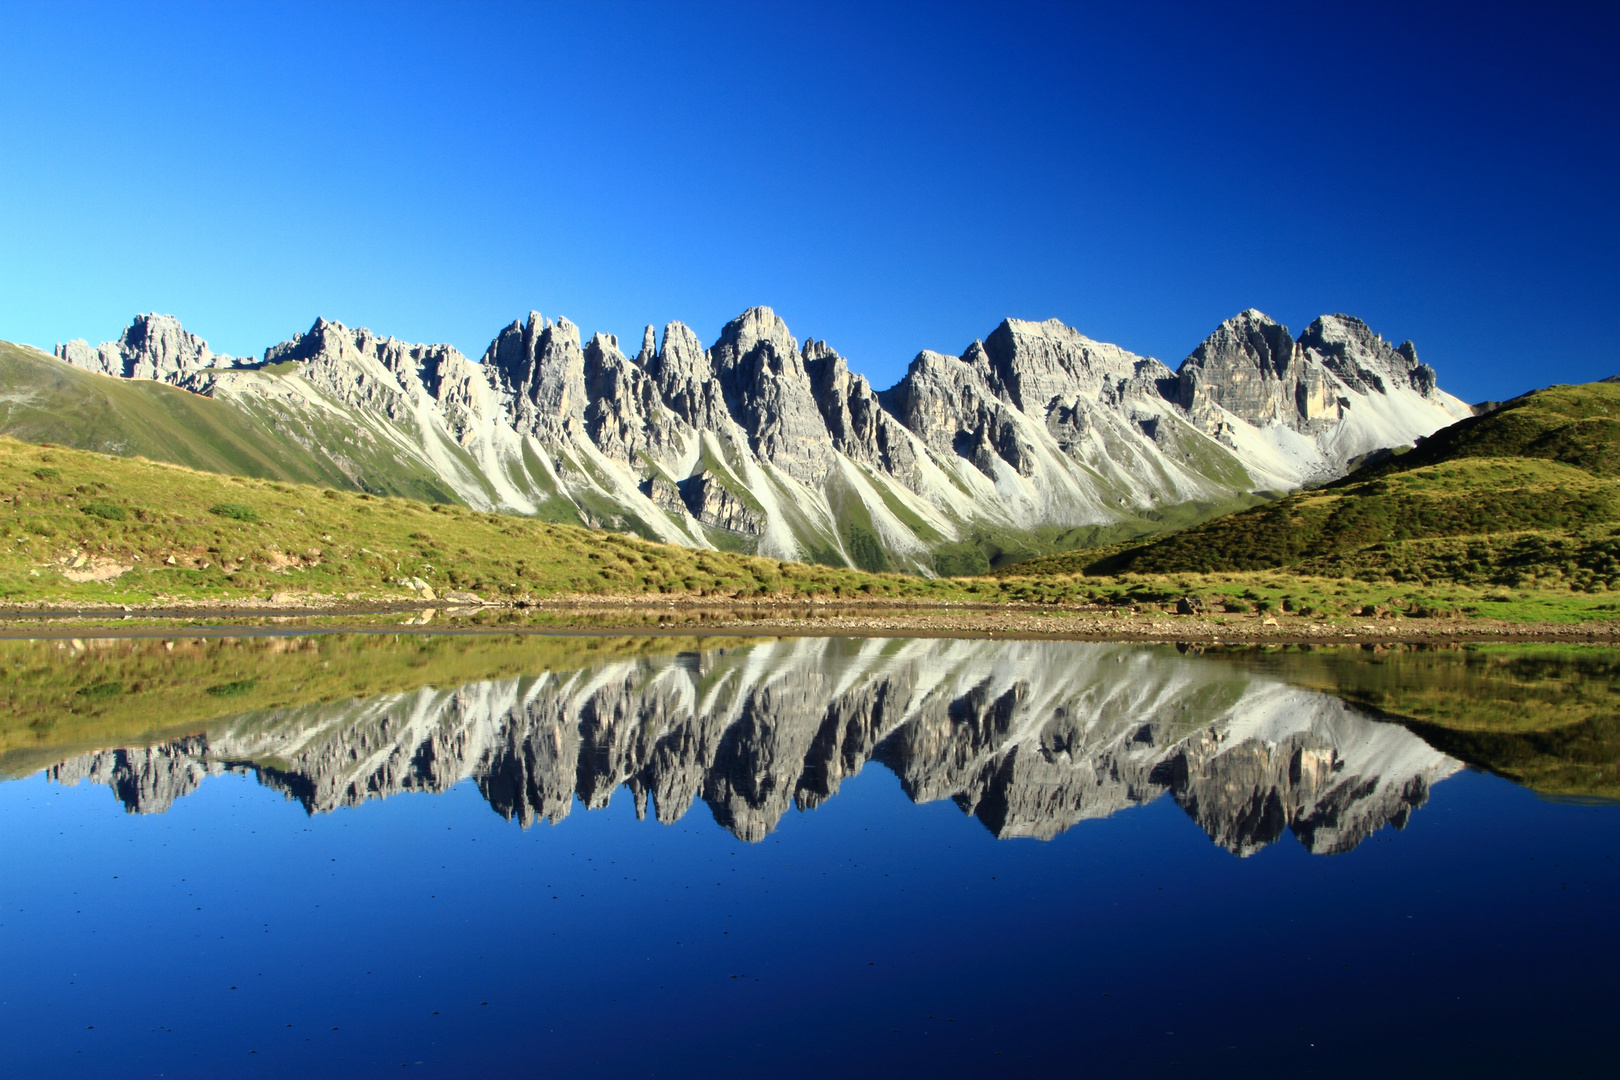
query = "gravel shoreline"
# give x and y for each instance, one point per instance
(632, 615)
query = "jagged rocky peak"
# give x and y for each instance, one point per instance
(152, 346)
(338, 360)
(538, 370)
(935, 391)
(958, 407)
(742, 336)
(860, 427)
(510, 359)
(559, 377)
(327, 338)
(1253, 369)
(768, 392)
(1249, 339)
(1348, 347)
(685, 379)
(621, 398)
(1034, 364)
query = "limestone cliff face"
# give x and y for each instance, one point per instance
(1035, 364)
(152, 347)
(768, 391)
(779, 446)
(1252, 376)
(1029, 737)
(1365, 362)
(684, 374)
(857, 424)
(538, 370)
(1252, 369)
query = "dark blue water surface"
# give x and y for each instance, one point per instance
(232, 933)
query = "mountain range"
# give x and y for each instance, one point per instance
(1029, 737)
(760, 442)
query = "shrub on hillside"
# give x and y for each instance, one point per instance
(106, 511)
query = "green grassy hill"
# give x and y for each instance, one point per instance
(1526, 495)
(93, 528)
(47, 401)
(1577, 425)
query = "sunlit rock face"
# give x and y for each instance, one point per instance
(1030, 738)
(151, 347)
(762, 443)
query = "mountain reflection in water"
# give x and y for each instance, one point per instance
(1028, 737)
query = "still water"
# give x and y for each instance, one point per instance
(358, 855)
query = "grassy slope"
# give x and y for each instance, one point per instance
(47, 401)
(1528, 495)
(235, 537)
(60, 507)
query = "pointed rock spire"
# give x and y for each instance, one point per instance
(768, 392)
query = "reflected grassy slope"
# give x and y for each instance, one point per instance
(59, 697)
(1547, 717)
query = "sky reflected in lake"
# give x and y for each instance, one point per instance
(668, 858)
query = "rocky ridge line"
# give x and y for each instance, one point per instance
(780, 447)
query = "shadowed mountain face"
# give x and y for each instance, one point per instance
(1029, 737)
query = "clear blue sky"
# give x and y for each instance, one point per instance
(887, 178)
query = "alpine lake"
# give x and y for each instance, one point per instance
(303, 853)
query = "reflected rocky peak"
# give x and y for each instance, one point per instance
(1028, 737)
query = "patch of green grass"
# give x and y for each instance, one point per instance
(864, 549)
(98, 690)
(106, 511)
(1575, 425)
(960, 560)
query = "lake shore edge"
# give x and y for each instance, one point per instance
(841, 617)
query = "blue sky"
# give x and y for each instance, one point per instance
(887, 178)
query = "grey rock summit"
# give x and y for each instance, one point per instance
(1252, 369)
(765, 443)
(152, 347)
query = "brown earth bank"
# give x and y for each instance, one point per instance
(838, 618)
